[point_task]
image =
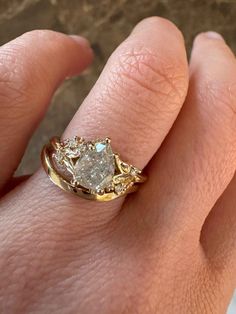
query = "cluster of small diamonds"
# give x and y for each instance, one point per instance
(122, 183)
(70, 148)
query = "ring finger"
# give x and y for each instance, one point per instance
(135, 102)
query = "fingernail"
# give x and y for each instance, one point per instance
(82, 41)
(213, 35)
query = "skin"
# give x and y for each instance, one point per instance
(168, 248)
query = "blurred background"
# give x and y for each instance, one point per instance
(105, 23)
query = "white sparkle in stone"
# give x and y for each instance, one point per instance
(95, 168)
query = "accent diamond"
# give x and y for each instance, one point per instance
(74, 147)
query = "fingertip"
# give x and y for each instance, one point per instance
(211, 43)
(82, 41)
(85, 45)
(210, 36)
(158, 22)
(213, 35)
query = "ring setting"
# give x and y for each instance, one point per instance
(89, 169)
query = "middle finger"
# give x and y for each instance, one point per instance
(197, 160)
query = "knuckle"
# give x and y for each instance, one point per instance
(13, 79)
(227, 95)
(149, 74)
(211, 286)
(222, 95)
(21, 75)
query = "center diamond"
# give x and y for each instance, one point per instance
(95, 167)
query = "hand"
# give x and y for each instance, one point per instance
(168, 248)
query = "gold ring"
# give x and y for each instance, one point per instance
(89, 169)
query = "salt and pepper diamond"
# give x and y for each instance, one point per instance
(95, 168)
(92, 164)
